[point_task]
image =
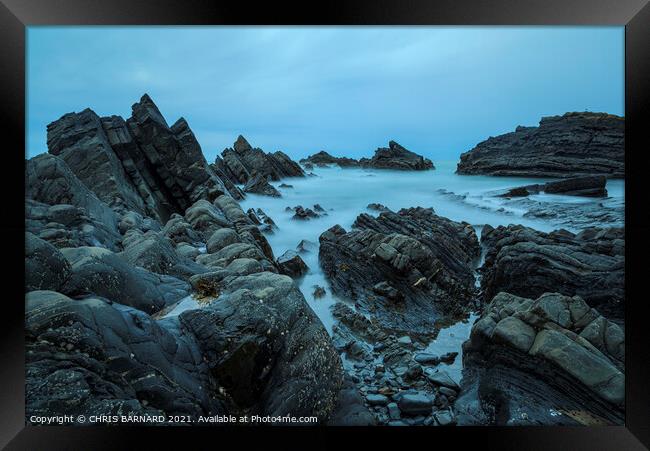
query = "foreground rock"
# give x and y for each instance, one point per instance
(259, 349)
(242, 162)
(406, 269)
(396, 157)
(553, 360)
(528, 263)
(259, 185)
(575, 144)
(591, 186)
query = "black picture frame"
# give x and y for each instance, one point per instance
(16, 15)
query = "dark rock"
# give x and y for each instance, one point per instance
(426, 258)
(141, 164)
(412, 404)
(262, 220)
(49, 183)
(304, 213)
(324, 158)
(88, 355)
(285, 185)
(444, 418)
(528, 358)
(101, 272)
(243, 162)
(427, 359)
(318, 208)
(384, 289)
(521, 191)
(267, 348)
(526, 262)
(292, 265)
(593, 186)
(449, 357)
(259, 185)
(575, 144)
(350, 409)
(319, 292)
(396, 157)
(376, 400)
(45, 267)
(441, 378)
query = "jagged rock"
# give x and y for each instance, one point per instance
(304, 214)
(264, 222)
(54, 193)
(292, 265)
(140, 164)
(529, 358)
(242, 163)
(101, 272)
(285, 185)
(396, 157)
(526, 262)
(575, 144)
(427, 259)
(259, 185)
(324, 158)
(377, 207)
(45, 267)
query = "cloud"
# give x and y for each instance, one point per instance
(347, 90)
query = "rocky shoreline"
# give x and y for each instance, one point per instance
(149, 290)
(572, 145)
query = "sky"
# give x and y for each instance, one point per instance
(438, 91)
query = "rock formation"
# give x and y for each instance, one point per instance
(528, 263)
(590, 186)
(571, 145)
(552, 360)
(150, 291)
(407, 269)
(392, 157)
(242, 163)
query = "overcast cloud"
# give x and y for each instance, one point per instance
(436, 90)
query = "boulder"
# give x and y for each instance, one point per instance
(45, 267)
(292, 265)
(260, 185)
(538, 362)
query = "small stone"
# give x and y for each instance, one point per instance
(393, 411)
(405, 340)
(377, 400)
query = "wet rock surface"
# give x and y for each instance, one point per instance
(571, 145)
(396, 157)
(591, 186)
(405, 269)
(551, 360)
(525, 262)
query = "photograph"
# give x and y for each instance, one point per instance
(342, 226)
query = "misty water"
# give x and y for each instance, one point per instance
(345, 193)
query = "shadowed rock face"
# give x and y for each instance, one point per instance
(528, 263)
(396, 157)
(553, 360)
(425, 258)
(324, 158)
(242, 162)
(140, 164)
(590, 186)
(575, 144)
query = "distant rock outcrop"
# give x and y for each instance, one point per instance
(392, 157)
(396, 157)
(323, 158)
(242, 162)
(571, 145)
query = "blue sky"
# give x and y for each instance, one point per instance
(436, 90)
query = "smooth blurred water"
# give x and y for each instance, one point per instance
(345, 193)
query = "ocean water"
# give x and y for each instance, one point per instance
(345, 193)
